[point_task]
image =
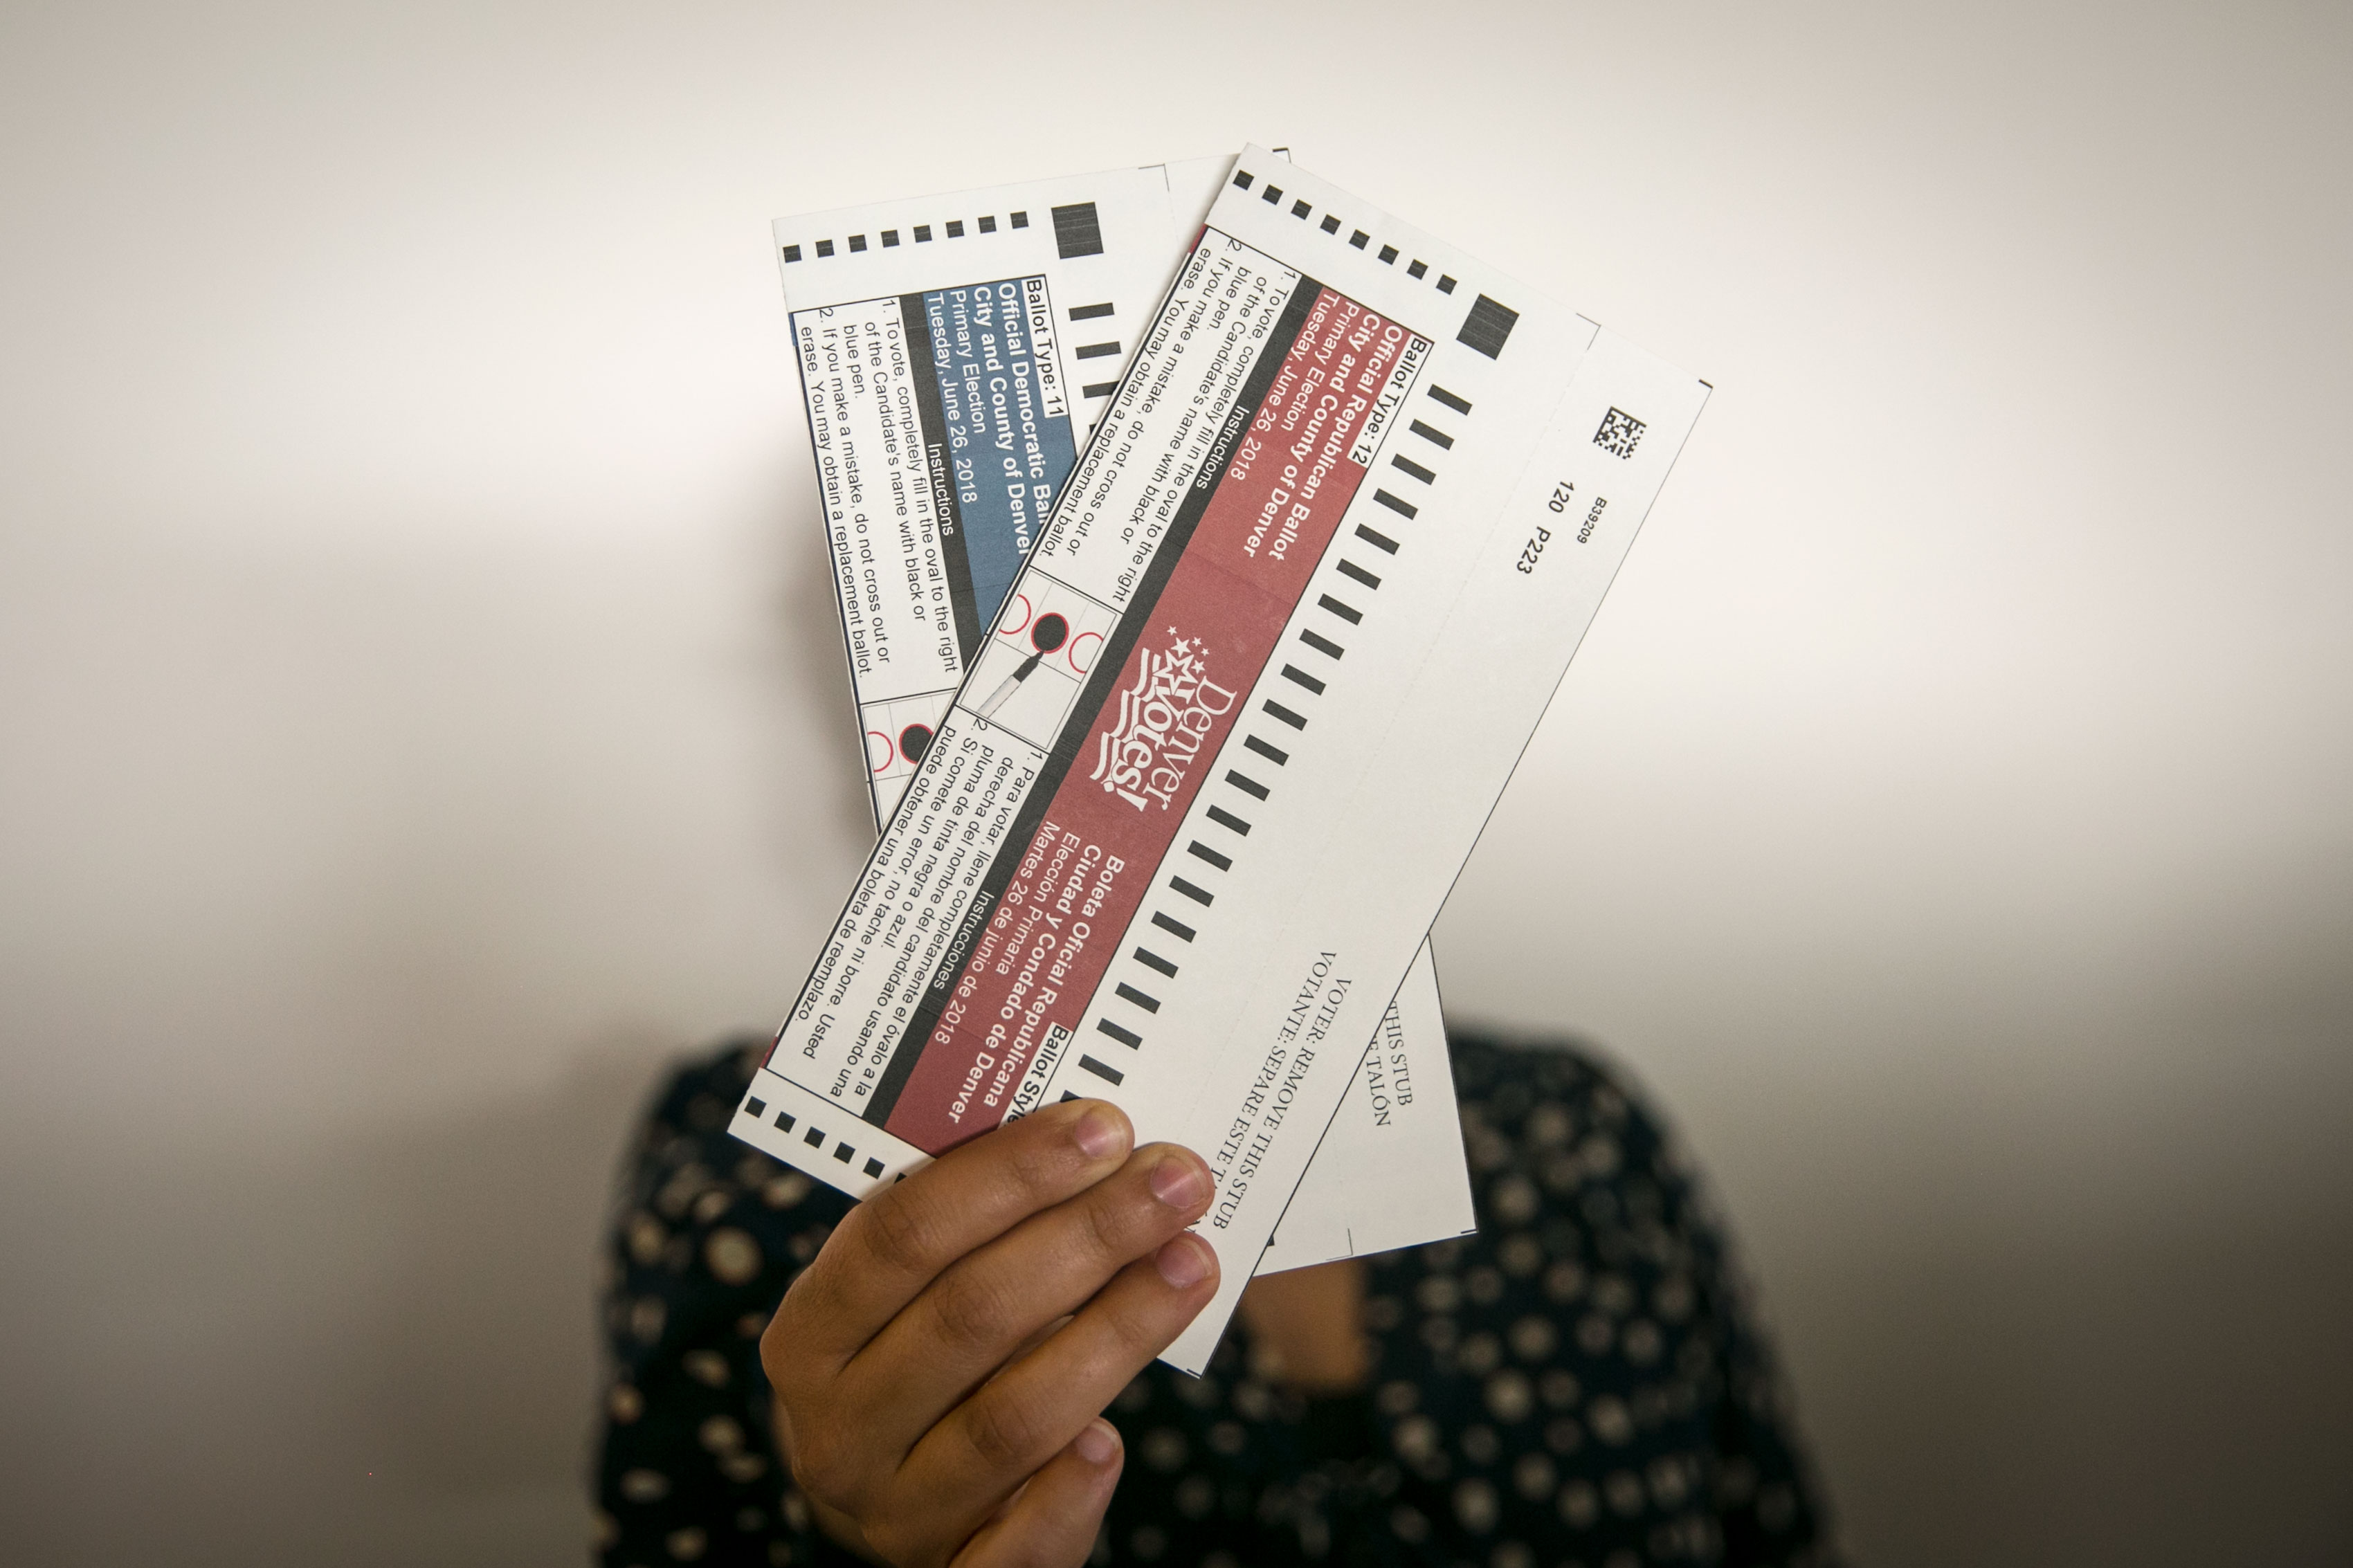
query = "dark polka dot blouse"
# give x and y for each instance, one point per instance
(1581, 1384)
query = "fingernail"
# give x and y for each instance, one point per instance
(1099, 1443)
(1184, 1262)
(1179, 1183)
(1102, 1134)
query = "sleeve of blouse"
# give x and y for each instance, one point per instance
(1768, 1505)
(705, 1234)
(1630, 1410)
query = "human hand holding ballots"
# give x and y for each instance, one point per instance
(941, 1366)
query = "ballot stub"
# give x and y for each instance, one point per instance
(1390, 1171)
(953, 352)
(1350, 511)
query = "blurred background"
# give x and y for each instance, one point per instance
(421, 714)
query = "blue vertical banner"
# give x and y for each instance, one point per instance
(996, 430)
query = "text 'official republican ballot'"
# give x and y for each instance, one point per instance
(1353, 506)
(937, 341)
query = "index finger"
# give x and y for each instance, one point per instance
(897, 1242)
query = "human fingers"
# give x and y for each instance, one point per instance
(1014, 1422)
(984, 1308)
(895, 1243)
(1054, 1523)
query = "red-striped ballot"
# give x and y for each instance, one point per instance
(1349, 512)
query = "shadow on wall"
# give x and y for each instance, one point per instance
(380, 1351)
(482, 1382)
(2110, 1327)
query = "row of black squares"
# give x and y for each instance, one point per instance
(1490, 321)
(1078, 231)
(814, 1137)
(922, 231)
(1272, 196)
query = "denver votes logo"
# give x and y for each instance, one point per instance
(1163, 718)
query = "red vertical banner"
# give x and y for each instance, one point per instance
(1206, 641)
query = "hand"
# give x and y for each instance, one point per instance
(941, 1366)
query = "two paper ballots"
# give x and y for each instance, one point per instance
(940, 437)
(1178, 819)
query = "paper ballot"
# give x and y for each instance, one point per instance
(954, 351)
(1352, 507)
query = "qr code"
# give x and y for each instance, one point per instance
(1619, 434)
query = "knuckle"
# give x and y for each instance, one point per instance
(780, 1348)
(823, 1464)
(777, 1339)
(1034, 1549)
(894, 1540)
(971, 1312)
(898, 1231)
(808, 1297)
(806, 1304)
(1041, 1166)
(1111, 1216)
(1139, 1328)
(777, 1360)
(1003, 1431)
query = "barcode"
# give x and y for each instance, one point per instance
(1619, 434)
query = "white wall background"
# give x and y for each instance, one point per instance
(419, 710)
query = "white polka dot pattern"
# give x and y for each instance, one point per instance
(1577, 1387)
